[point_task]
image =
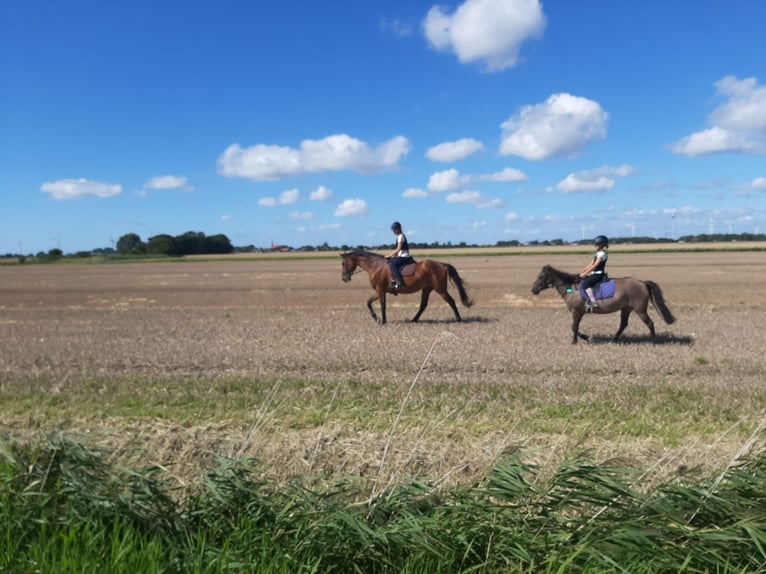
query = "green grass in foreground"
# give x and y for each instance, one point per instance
(64, 509)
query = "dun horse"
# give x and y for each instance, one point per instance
(428, 276)
(629, 295)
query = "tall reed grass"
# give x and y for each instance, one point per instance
(64, 509)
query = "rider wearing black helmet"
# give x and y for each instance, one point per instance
(596, 271)
(399, 257)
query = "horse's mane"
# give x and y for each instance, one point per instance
(563, 276)
(366, 254)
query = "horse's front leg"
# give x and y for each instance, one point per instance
(576, 318)
(372, 300)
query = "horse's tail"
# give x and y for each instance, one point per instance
(458, 282)
(655, 294)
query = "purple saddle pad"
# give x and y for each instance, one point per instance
(603, 290)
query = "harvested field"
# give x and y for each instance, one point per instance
(274, 358)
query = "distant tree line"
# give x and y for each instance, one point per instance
(197, 243)
(189, 243)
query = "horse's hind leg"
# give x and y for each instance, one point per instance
(423, 303)
(451, 302)
(648, 322)
(624, 314)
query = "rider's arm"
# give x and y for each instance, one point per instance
(396, 251)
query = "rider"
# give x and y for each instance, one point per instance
(399, 257)
(596, 271)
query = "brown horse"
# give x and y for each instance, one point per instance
(630, 295)
(429, 276)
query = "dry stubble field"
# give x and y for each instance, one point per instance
(174, 363)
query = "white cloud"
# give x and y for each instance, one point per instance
(301, 215)
(486, 31)
(163, 182)
(225, 217)
(594, 180)
(758, 183)
(561, 126)
(507, 175)
(738, 125)
(414, 193)
(448, 180)
(454, 151)
(79, 188)
(351, 208)
(321, 193)
(490, 203)
(511, 216)
(333, 153)
(574, 184)
(467, 196)
(289, 197)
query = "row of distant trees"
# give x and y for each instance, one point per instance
(197, 243)
(189, 243)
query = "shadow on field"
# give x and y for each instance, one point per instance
(661, 339)
(474, 320)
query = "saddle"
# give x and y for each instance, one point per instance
(408, 270)
(602, 290)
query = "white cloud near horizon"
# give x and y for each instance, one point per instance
(737, 126)
(454, 151)
(561, 126)
(65, 189)
(489, 32)
(334, 153)
(758, 183)
(593, 180)
(351, 208)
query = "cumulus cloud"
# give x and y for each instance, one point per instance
(593, 180)
(738, 125)
(448, 180)
(489, 32)
(164, 182)
(301, 215)
(414, 193)
(321, 193)
(287, 197)
(560, 126)
(79, 188)
(466, 196)
(351, 208)
(511, 216)
(454, 151)
(505, 176)
(334, 153)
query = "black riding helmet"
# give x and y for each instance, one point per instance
(601, 241)
(396, 225)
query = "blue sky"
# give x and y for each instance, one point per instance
(303, 122)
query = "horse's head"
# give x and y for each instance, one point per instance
(544, 280)
(347, 267)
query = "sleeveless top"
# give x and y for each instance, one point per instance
(405, 250)
(599, 270)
